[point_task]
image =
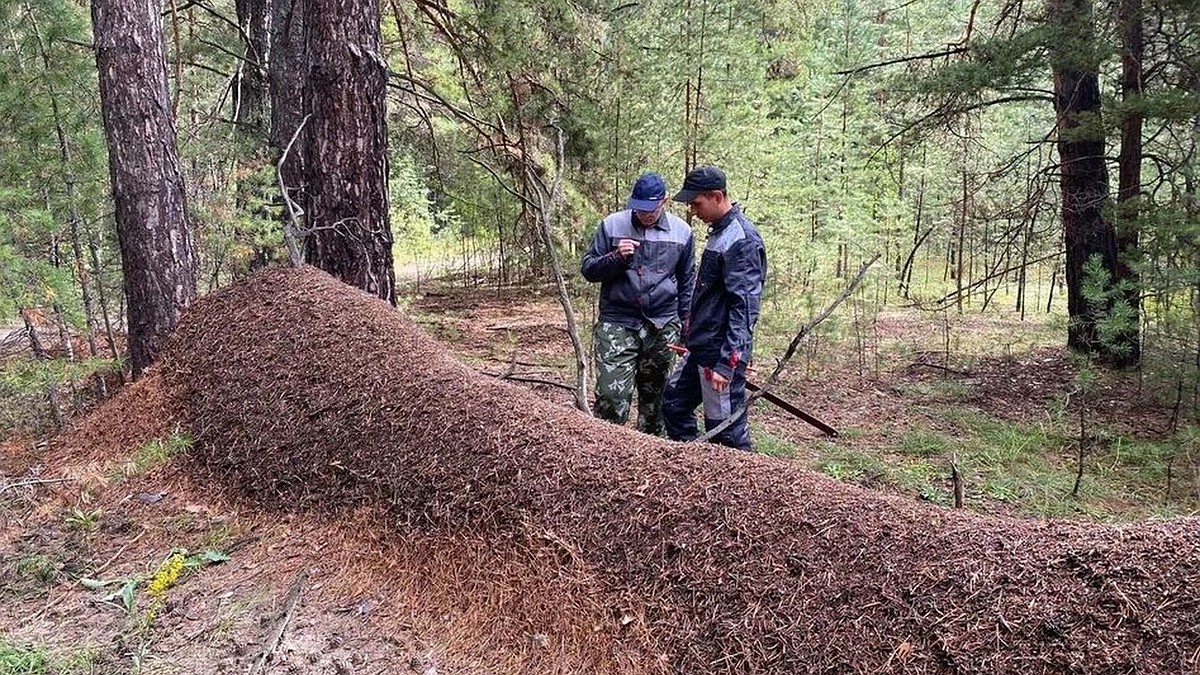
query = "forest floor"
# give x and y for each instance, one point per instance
(93, 523)
(909, 393)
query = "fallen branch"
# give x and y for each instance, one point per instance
(531, 364)
(276, 634)
(31, 483)
(935, 366)
(764, 389)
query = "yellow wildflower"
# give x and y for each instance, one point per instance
(166, 576)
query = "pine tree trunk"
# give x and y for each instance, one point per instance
(287, 69)
(1129, 173)
(346, 148)
(1083, 177)
(157, 254)
(254, 18)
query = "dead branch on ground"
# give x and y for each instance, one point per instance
(276, 634)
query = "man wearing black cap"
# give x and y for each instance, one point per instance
(725, 305)
(643, 258)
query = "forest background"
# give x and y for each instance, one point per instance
(1032, 161)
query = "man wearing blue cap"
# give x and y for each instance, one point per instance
(643, 258)
(725, 306)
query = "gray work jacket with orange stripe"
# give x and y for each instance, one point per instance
(655, 283)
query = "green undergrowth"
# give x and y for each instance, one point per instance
(1027, 470)
(28, 659)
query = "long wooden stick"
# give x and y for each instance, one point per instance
(790, 407)
(32, 482)
(787, 355)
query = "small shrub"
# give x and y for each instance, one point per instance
(38, 567)
(86, 521)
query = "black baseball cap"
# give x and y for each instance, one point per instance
(700, 179)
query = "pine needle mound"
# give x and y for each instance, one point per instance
(303, 392)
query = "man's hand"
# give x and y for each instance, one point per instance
(719, 383)
(626, 247)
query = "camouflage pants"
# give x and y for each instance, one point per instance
(627, 358)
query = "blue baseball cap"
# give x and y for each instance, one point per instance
(648, 192)
(700, 179)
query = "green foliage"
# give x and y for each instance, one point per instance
(22, 660)
(773, 446)
(160, 451)
(85, 520)
(853, 465)
(38, 567)
(155, 585)
(1108, 305)
(29, 388)
(26, 659)
(994, 64)
(925, 444)
(52, 170)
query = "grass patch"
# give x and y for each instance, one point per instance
(37, 567)
(847, 464)
(160, 451)
(1032, 468)
(1023, 469)
(772, 446)
(17, 659)
(929, 482)
(940, 389)
(925, 444)
(22, 660)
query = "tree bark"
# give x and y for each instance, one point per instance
(1083, 178)
(287, 69)
(346, 149)
(157, 254)
(254, 19)
(1129, 173)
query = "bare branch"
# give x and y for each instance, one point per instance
(32, 482)
(291, 229)
(944, 301)
(902, 59)
(507, 188)
(276, 634)
(529, 380)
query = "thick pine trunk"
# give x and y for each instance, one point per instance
(346, 146)
(157, 255)
(1083, 177)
